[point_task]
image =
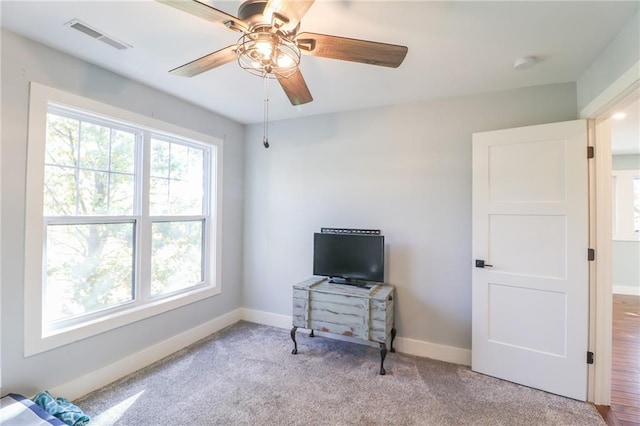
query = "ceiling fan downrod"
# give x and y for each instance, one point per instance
(265, 126)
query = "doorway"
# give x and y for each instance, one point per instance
(625, 341)
(621, 93)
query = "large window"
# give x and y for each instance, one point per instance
(636, 204)
(122, 218)
(626, 205)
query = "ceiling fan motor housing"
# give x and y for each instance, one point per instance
(252, 13)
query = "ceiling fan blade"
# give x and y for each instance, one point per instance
(207, 62)
(293, 10)
(350, 49)
(296, 89)
(203, 10)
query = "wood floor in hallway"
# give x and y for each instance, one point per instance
(625, 370)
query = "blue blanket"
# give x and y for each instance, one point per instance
(61, 408)
(17, 410)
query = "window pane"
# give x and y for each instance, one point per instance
(176, 256)
(188, 194)
(100, 177)
(62, 141)
(178, 161)
(177, 179)
(94, 188)
(636, 204)
(159, 158)
(59, 191)
(94, 146)
(121, 194)
(159, 196)
(184, 198)
(123, 151)
(89, 267)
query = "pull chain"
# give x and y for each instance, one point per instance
(265, 129)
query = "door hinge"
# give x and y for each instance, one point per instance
(591, 254)
(589, 357)
(591, 152)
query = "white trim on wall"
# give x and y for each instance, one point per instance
(267, 318)
(112, 372)
(612, 95)
(628, 290)
(603, 265)
(401, 344)
(1, 138)
(618, 93)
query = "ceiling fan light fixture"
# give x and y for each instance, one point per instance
(525, 62)
(268, 55)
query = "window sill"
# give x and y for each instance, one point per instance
(55, 338)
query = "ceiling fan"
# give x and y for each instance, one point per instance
(271, 47)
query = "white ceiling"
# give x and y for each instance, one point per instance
(455, 48)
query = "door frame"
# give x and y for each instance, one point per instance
(618, 94)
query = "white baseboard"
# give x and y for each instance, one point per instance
(401, 344)
(433, 351)
(108, 374)
(266, 318)
(628, 290)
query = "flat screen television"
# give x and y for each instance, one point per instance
(349, 258)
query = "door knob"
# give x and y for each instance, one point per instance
(480, 264)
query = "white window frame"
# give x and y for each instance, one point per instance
(38, 337)
(623, 226)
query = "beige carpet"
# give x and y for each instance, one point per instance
(246, 375)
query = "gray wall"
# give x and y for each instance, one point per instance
(625, 162)
(403, 169)
(615, 60)
(626, 267)
(626, 254)
(24, 61)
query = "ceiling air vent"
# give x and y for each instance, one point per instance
(76, 24)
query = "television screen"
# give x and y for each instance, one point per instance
(349, 257)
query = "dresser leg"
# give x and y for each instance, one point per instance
(383, 355)
(293, 337)
(393, 337)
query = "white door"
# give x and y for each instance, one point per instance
(530, 227)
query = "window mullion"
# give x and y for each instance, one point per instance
(210, 185)
(77, 169)
(143, 231)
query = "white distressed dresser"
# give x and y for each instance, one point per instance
(361, 312)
